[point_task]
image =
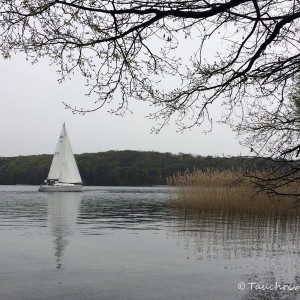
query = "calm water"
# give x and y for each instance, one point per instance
(125, 243)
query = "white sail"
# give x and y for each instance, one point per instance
(69, 171)
(64, 168)
(56, 165)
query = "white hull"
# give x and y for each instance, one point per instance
(60, 188)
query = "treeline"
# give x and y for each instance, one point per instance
(116, 168)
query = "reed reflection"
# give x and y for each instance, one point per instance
(62, 215)
(232, 235)
(259, 249)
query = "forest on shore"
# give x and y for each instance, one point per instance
(118, 168)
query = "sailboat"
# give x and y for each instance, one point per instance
(63, 175)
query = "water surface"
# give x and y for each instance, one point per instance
(126, 243)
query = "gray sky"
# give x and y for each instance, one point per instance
(32, 114)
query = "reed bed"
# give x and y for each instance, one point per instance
(229, 190)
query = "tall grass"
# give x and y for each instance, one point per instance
(214, 190)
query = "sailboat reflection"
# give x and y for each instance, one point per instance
(62, 214)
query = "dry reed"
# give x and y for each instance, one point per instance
(214, 190)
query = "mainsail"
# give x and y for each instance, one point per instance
(64, 168)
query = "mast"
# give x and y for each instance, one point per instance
(56, 165)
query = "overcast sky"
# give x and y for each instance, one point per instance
(32, 114)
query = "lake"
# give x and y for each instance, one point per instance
(126, 243)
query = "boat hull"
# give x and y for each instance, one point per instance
(60, 188)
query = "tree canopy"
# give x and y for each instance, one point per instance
(127, 47)
(242, 54)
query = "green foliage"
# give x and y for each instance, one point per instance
(24, 169)
(115, 168)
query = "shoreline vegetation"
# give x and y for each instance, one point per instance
(213, 190)
(213, 184)
(117, 168)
